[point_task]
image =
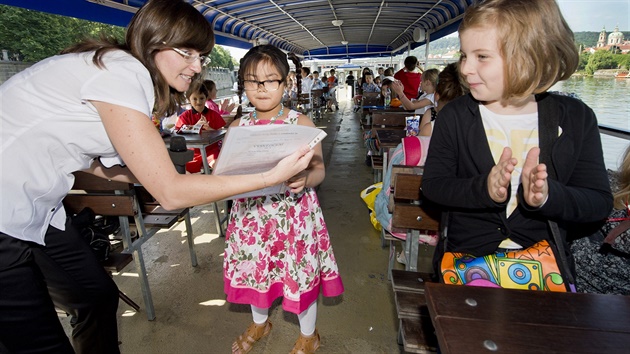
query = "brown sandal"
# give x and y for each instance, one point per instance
(306, 345)
(255, 332)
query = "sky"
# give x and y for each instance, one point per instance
(592, 15)
(582, 15)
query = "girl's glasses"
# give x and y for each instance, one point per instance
(269, 85)
(189, 58)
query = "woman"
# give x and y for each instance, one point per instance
(92, 112)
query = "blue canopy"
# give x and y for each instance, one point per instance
(343, 29)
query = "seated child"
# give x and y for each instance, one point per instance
(369, 85)
(226, 107)
(414, 152)
(199, 114)
(411, 152)
(426, 100)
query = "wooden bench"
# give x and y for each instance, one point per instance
(386, 237)
(377, 167)
(413, 214)
(415, 332)
(111, 198)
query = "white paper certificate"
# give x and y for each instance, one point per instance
(255, 149)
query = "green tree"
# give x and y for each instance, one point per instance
(622, 60)
(601, 59)
(584, 57)
(221, 58)
(36, 35)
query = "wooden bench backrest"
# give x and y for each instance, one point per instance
(389, 119)
(103, 196)
(371, 99)
(317, 93)
(411, 210)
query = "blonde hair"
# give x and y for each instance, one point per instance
(535, 41)
(621, 196)
(431, 75)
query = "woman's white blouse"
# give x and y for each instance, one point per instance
(49, 130)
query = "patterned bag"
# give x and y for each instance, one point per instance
(534, 268)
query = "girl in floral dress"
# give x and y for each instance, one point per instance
(278, 245)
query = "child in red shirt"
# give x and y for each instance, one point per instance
(209, 119)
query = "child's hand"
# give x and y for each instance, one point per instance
(226, 106)
(203, 122)
(398, 87)
(500, 176)
(534, 180)
(297, 182)
(292, 165)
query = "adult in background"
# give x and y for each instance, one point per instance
(350, 82)
(94, 112)
(410, 77)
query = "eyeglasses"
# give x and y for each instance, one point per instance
(189, 58)
(269, 85)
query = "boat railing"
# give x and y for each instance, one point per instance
(614, 131)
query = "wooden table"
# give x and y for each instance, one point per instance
(201, 140)
(470, 319)
(385, 109)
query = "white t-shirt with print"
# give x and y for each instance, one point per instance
(519, 132)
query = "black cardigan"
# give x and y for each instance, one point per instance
(459, 161)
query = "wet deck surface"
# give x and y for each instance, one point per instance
(192, 315)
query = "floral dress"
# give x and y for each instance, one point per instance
(278, 245)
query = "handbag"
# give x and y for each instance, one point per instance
(533, 268)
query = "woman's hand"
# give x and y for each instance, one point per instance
(534, 180)
(500, 176)
(291, 165)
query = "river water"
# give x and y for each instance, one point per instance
(610, 100)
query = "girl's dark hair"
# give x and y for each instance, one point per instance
(158, 25)
(450, 84)
(272, 55)
(198, 87)
(210, 85)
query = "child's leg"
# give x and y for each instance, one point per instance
(308, 319)
(259, 314)
(255, 332)
(308, 342)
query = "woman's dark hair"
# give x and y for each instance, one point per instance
(158, 25)
(272, 55)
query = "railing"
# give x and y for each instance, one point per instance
(614, 131)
